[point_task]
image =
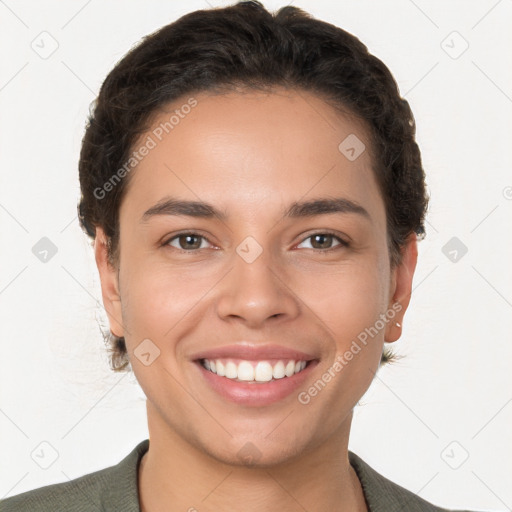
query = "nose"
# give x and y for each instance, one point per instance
(256, 293)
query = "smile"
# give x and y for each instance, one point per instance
(253, 371)
(243, 384)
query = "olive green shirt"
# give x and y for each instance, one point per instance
(115, 489)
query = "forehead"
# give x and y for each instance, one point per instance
(250, 148)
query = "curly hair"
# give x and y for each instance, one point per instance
(244, 45)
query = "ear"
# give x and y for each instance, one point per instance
(109, 283)
(401, 288)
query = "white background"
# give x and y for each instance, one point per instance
(449, 398)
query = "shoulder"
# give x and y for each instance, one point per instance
(383, 495)
(115, 486)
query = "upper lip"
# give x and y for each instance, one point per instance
(251, 352)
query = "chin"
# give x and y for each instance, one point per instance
(252, 456)
(255, 451)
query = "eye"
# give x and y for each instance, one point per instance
(324, 241)
(187, 242)
(190, 242)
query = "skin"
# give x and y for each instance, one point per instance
(251, 155)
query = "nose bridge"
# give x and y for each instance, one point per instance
(253, 290)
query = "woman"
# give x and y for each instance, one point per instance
(255, 193)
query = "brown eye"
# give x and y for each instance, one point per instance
(187, 241)
(323, 241)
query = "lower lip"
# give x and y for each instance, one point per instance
(256, 394)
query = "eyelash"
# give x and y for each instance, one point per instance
(342, 243)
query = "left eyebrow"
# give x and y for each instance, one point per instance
(325, 205)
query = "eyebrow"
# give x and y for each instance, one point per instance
(172, 206)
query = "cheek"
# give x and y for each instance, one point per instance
(158, 299)
(348, 300)
(349, 304)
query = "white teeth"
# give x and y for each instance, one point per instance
(247, 371)
(221, 371)
(263, 372)
(231, 370)
(278, 371)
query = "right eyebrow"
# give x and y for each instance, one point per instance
(172, 206)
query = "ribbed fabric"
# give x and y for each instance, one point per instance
(114, 489)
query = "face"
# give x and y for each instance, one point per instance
(285, 259)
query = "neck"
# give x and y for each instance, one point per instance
(176, 476)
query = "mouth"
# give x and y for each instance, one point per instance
(254, 371)
(255, 383)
